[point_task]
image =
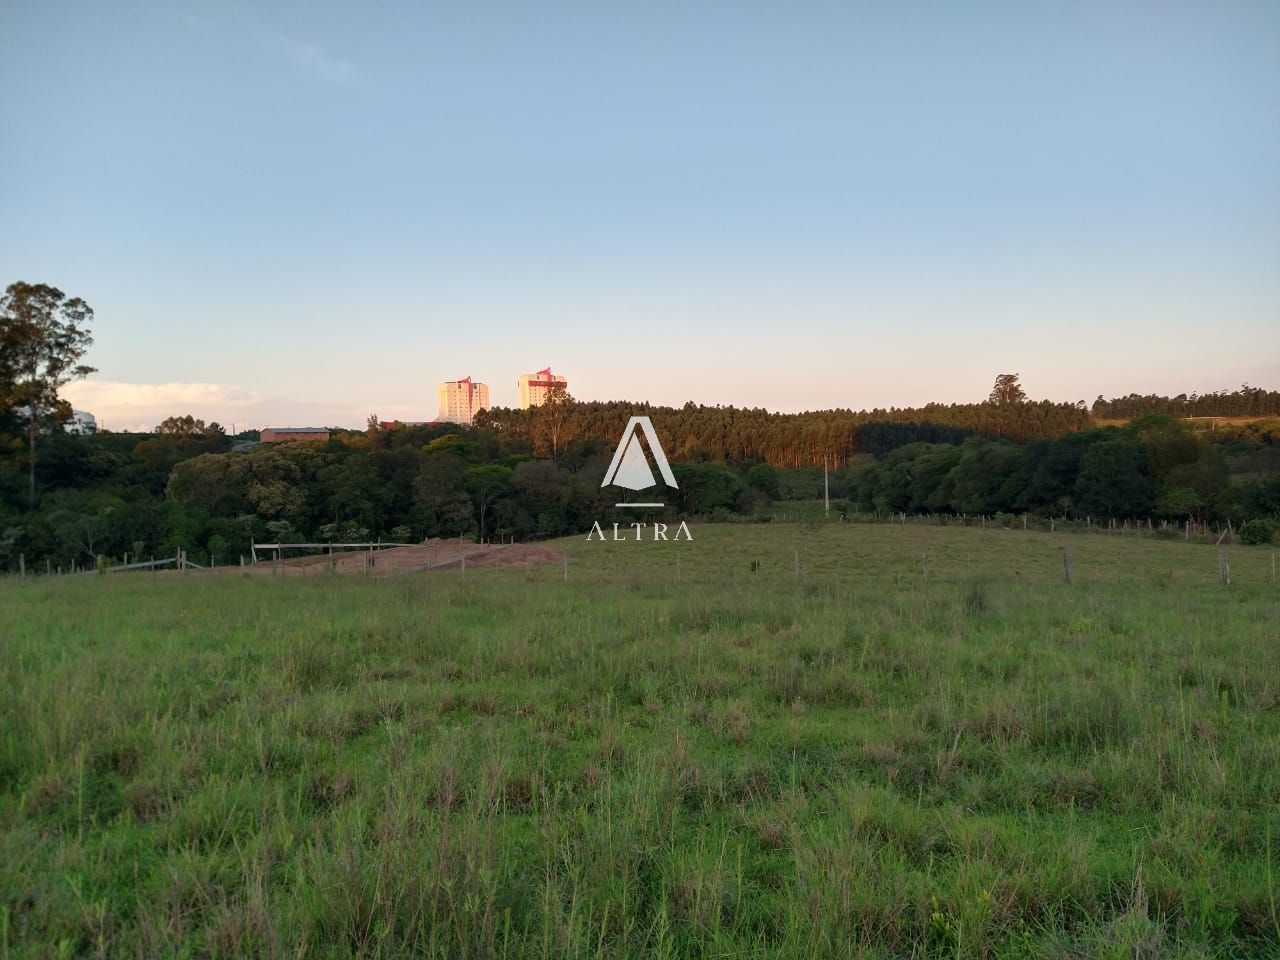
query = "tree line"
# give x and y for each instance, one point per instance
(528, 474)
(1154, 467)
(184, 487)
(1246, 402)
(742, 434)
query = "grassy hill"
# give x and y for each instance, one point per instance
(794, 740)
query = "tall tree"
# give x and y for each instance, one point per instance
(487, 483)
(1007, 390)
(554, 423)
(43, 335)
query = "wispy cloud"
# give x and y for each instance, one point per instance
(134, 406)
(301, 54)
(317, 61)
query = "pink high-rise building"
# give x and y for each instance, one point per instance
(461, 400)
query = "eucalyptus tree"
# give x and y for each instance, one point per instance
(43, 336)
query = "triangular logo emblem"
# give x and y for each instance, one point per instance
(630, 467)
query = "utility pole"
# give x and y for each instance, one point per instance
(826, 489)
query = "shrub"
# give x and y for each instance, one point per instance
(1259, 531)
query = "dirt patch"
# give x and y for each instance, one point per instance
(428, 556)
(517, 554)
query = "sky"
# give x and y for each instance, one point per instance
(305, 213)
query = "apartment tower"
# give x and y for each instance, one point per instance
(461, 400)
(536, 387)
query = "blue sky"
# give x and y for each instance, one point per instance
(309, 212)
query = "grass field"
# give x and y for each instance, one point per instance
(795, 741)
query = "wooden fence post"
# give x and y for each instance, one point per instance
(22, 566)
(1066, 564)
(1224, 566)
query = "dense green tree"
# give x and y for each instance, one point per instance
(1169, 443)
(930, 485)
(1054, 466)
(1207, 478)
(441, 506)
(707, 487)
(981, 476)
(1113, 481)
(487, 484)
(1182, 503)
(764, 478)
(43, 336)
(542, 493)
(212, 482)
(1260, 497)
(350, 492)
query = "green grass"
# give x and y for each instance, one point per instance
(925, 744)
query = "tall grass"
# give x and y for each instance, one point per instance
(878, 757)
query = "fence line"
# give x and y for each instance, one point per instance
(1130, 526)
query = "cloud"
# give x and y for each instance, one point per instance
(304, 55)
(140, 406)
(316, 60)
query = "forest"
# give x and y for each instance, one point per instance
(1246, 402)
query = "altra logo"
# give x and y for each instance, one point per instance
(630, 465)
